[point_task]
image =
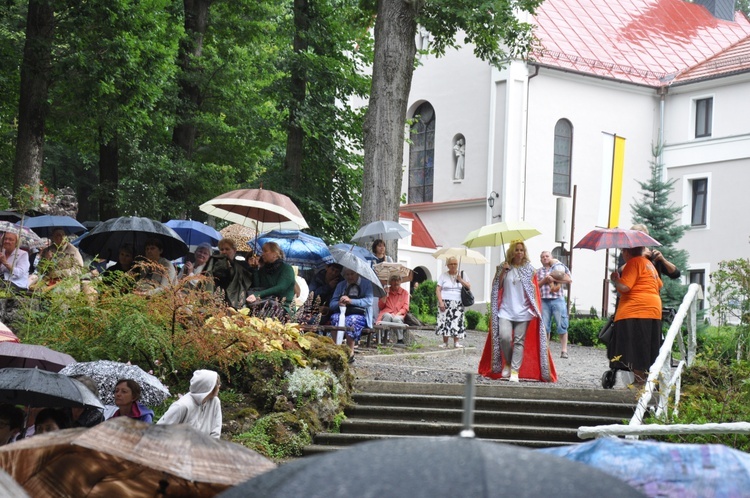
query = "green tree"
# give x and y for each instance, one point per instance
(662, 217)
(328, 45)
(490, 25)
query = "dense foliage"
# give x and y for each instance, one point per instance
(267, 367)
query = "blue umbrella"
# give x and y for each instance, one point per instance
(300, 249)
(44, 225)
(666, 469)
(194, 232)
(358, 251)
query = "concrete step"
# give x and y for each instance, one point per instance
(526, 405)
(455, 415)
(501, 389)
(525, 415)
(332, 442)
(482, 431)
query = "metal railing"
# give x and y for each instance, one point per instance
(667, 378)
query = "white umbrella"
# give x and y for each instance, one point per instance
(106, 374)
(463, 254)
(385, 230)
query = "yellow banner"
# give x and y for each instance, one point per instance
(613, 160)
(618, 163)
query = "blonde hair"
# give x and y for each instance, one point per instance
(511, 250)
(641, 228)
(228, 242)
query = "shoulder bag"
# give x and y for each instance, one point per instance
(605, 334)
(467, 297)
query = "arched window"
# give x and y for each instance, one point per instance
(422, 155)
(563, 155)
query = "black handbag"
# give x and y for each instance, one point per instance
(605, 334)
(467, 297)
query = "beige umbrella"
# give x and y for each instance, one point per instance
(463, 254)
(124, 457)
(261, 209)
(384, 271)
(239, 234)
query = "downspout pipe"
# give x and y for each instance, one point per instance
(662, 92)
(526, 137)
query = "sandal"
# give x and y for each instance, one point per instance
(564, 354)
(351, 359)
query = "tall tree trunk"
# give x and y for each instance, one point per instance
(88, 208)
(196, 20)
(295, 134)
(395, 30)
(35, 80)
(109, 178)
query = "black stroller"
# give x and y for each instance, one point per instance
(609, 377)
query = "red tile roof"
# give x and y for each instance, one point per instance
(735, 59)
(648, 42)
(420, 237)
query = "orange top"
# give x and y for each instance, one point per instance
(642, 301)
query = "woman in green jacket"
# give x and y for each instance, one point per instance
(273, 279)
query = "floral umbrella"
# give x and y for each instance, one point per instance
(106, 374)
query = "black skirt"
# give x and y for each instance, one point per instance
(635, 344)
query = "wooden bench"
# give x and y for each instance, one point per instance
(381, 332)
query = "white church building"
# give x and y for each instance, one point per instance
(528, 142)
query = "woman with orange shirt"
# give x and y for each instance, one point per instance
(637, 336)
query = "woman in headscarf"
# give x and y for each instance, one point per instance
(201, 407)
(517, 345)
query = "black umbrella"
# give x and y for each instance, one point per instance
(107, 238)
(34, 387)
(429, 467)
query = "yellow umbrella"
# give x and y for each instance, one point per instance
(498, 234)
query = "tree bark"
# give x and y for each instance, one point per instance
(295, 133)
(395, 30)
(109, 178)
(196, 21)
(35, 81)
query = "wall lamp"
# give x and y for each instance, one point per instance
(491, 199)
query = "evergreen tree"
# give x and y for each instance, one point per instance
(662, 217)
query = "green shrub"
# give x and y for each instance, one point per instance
(585, 331)
(278, 436)
(424, 302)
(472, 319)
(425, 299)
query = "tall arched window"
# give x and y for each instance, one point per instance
(563, 155)
(422, 155)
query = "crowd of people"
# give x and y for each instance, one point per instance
(199, 408)
(524, 300)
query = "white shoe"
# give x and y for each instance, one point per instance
(513, 376)
(506, 372)
(458, 345)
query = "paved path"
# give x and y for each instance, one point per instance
(427, 362)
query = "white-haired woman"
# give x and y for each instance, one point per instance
(450, 320)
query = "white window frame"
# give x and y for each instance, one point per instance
(687, 200)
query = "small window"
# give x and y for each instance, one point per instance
(422, 155)
(562, 160)
(699, 203)
(703, 117)
(699, 277)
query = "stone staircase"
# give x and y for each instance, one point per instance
(524, 415)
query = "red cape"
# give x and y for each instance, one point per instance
(531, 367)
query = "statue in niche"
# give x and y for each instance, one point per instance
(460, 151)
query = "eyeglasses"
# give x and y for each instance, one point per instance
(452, 264)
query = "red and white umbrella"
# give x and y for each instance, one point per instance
(263, 210)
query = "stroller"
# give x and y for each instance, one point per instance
(609, 377)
